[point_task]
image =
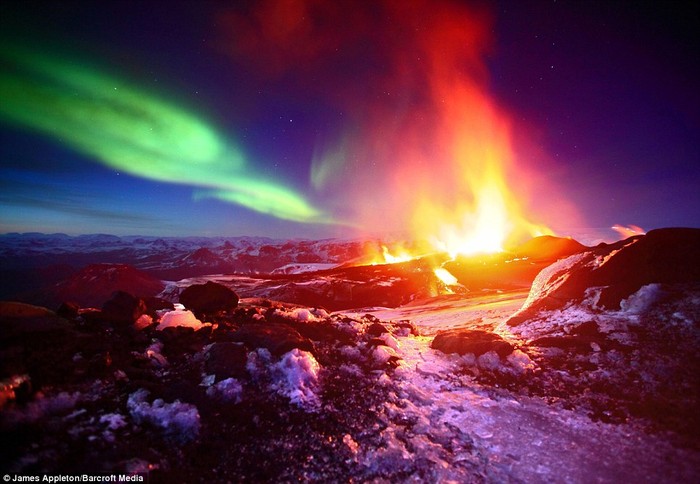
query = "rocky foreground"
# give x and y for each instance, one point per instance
(588, 378)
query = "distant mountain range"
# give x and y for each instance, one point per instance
(32, 261)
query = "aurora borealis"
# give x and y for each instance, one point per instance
(133, 131)
(293, 118)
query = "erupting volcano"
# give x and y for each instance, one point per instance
(432, 142)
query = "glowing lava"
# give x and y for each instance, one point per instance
(445, 276)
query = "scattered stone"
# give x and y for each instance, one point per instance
(376, 329)
(580, 344)
(226, 360)
(123, 308)
(463, 341)
(276, 338)
(209, 298)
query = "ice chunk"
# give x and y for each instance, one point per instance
(382, 354)
(390, 341)
(489, 360)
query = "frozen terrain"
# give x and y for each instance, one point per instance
(439, 412)
(590, 375)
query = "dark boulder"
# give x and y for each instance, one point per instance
(463, 341)
(209, 298)
(277, 338)
(156, 304)
(123, 307)
(68, 310)
(661, 256)
(226, 360)
(578, 343)
(376, 329)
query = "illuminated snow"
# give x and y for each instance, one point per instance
(459, 429)
(296, 377)
(179, 317)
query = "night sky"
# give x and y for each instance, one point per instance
(306, 118)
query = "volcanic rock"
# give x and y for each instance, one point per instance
(277, 338)
(463, 341)
(226, 360)
(376, 329)
(123, 307)
(69, 310)
(20, 319)
(208, 298)
(155, 304)
(661, 256)
(616, 271)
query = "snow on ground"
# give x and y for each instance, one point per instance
(297, 268)
(439, 413)
(177, 420)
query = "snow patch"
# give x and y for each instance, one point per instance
(296, 377)
(305, 315)
(552, 277)
(154, 353)
(41, 407)
(228, 390)
(179, 421)
(114, 421)
(297, 268)
(642, 300)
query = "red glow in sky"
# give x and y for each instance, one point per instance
(424, 148)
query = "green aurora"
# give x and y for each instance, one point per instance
(131, 130)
